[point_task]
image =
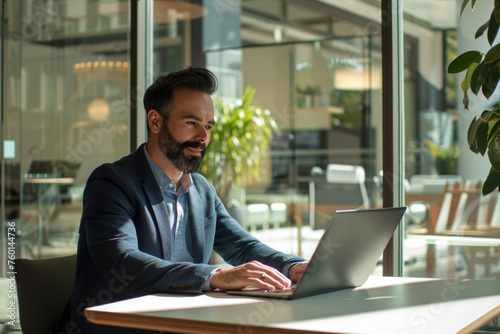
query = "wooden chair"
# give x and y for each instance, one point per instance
(465, 212)
(483, 220)
(44, 288)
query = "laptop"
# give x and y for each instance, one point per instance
(345, 256)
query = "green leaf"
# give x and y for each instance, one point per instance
(248, 97)
(467, 79)
(486, 115)
(496, 11)
(481, 30)
(471, 134)
(482, 137)
(493, 125)
(493, 55)
(464, 4)
(478, 77)
(492, 182)
(463, 61)
(492, 29)
(491, 81)
(494, 150)
(477, 134)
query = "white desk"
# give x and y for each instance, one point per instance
(382, 305)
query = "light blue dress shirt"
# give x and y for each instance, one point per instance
(176, 205)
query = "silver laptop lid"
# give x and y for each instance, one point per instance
(349, 250)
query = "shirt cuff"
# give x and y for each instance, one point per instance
(289, 265)
(206, 285)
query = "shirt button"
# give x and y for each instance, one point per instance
(171, 185)
(179, 232)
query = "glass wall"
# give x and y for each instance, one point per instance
(451, 229)
(316, 70)
(314, 145)
(324, 154)
(64, 112)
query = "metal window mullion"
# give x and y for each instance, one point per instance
(392, 137)
(144, 70)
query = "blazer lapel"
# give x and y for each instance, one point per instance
(197, 226)
(155, 198)
(160, 214)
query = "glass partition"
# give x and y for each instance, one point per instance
(451, 228)
(314, 66)
(325, 155)
(65, 111)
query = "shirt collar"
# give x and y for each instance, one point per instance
(161, 178)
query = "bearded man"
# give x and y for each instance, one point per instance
(150, 222)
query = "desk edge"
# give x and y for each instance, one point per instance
(149, 322)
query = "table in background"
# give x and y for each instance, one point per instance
(382, 305)
(43, 179)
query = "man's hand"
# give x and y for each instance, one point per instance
(253, 274)
(297, 270)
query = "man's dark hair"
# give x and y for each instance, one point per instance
(159, 96)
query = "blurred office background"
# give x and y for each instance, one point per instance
(73, 73)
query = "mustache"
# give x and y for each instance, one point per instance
(193, 144)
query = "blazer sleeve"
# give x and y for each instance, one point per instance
(120, 237)
(236, 245)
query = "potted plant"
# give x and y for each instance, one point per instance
(239, 143)
(446, 157)
(483, 74)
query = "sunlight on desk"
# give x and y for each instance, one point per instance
(382, 305)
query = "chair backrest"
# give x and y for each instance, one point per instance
(486, 211)
(349, 175)
(432, 183)
(340, 187)
(44, 288)
(464, 207)
(495, 213)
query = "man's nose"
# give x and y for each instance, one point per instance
(202, 135)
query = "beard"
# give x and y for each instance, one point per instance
(174, 151)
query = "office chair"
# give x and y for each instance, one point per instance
(44, 288)
(339, 187)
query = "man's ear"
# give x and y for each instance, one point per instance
(155, 121)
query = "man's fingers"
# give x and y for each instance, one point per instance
(269, 271)
(253, 274)
(271, 277)
(277, 279)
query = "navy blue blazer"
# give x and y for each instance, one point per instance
(124, 241)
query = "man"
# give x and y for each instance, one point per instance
(150, 222)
